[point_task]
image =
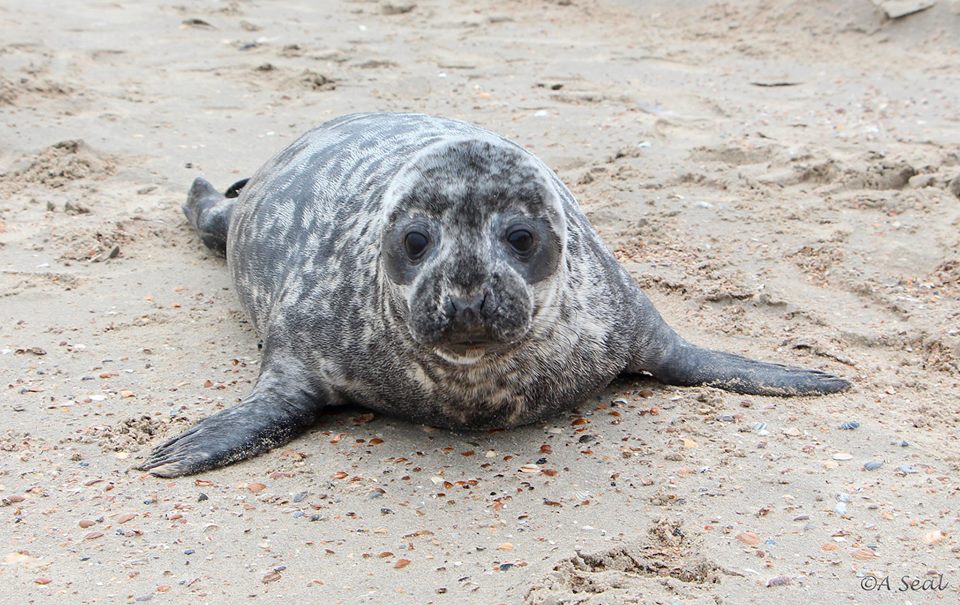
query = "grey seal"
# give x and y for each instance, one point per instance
(431, 270)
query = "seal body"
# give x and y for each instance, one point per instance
(304, 249)
(433, 270)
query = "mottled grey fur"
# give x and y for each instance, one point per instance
(471, 335)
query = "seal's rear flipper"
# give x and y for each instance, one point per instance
(273, 414)
(234, 190)
(209, 212)
(689, 365)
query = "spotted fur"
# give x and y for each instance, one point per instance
(344, 316)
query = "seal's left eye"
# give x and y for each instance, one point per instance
(416, 244)
(520, 240)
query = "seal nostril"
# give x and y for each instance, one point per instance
(450, 308)
(465, 310)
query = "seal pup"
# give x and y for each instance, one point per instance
(435, 271)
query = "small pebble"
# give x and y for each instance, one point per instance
(849, 425)
(840, 508)
(908, 469)
(202, 497)
(299, 497)
(864, 554)
(189, 551)
(872, 465)
(842, 456)
(273, 576)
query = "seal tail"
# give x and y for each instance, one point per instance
(209, 212)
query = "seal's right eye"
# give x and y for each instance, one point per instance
(415, 244)
(521, 241)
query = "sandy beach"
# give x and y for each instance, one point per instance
(781, 177)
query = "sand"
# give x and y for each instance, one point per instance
(776, 175)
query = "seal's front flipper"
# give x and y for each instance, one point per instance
(209, 212)
(662, 353)
(685, 364)
(273, 414)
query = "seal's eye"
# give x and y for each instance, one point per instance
(521, 241)
(416, 244)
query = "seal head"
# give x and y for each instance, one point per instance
(471, 248)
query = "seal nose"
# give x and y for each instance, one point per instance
(466, 310)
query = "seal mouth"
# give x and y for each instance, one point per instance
(467, 350)
(468, 347)
(461, 354)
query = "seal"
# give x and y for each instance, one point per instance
(432, 270)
